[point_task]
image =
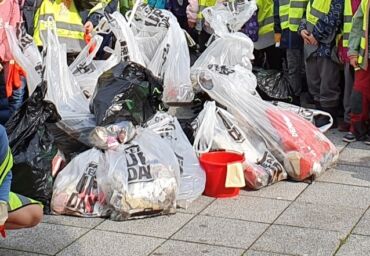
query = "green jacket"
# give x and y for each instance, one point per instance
(356, 34)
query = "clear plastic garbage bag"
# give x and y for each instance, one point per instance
(171, 60)
(64, 91)
(141, 178)
(302, 149)
(193, 177)
(217, 129)
(76, 191)
(230, 50)
(86, 70)
(26, 54)
(229, 16)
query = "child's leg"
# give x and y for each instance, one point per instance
(360, 104)
(17, 98)
(23, 212)
(25, 217)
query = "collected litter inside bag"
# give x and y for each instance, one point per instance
(140, 178)
(192, 176)
(302, 149)
(76, 191)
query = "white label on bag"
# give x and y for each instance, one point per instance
(138, 170)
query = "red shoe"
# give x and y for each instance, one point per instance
(344, 127)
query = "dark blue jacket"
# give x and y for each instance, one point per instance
(326, 27)
(289, 39)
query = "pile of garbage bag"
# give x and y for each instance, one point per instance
(95, 137)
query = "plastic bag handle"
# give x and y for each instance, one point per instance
(209, 120)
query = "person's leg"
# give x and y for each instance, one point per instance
(329, 87)
(360, 104)
(294, 63)
(348, 86)
(274, 57)
(23, 212)
(313, 79)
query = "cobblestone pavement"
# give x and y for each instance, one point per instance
(329, 217)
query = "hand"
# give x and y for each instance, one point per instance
(305, 34)
(277, 37)
(353, 60)
(88, 27)
(312, 40)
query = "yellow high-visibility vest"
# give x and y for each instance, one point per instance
(315, 11)
(347, 21)
(284, 13)
(297, 9)
(363, 54)
(6, 165)
(68, 22)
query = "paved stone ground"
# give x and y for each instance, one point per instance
(329, 217)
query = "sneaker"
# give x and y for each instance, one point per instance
(344, 127)
(367, 140)
(349, 137)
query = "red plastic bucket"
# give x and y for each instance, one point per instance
(215, 166)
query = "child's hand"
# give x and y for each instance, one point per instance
(353, 60)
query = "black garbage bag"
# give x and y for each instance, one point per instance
(273, 85)
(33, 147)
(128, 92)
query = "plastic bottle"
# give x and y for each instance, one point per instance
(3, 217)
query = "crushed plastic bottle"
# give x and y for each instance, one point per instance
(3, 217)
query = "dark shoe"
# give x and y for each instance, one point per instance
(367, 140)
(333, 111)
(321, 120)
(344, 127)
(296, 101)
(349, 137)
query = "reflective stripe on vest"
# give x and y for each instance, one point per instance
(265, 17)
(100, 6)
(17, 201)
(347, 22)
(296, 12)
(6, 165)
(284, 14)
(315, 11)
(68, 23)
(363, 53)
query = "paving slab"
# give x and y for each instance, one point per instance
(198, 205)
(298, 241)
(72, 221)
(355, 156)
(218, 231)
(319, 216)
(336, 136)
(103, 243)
(358, 145)
(247, 208)
(176, 248)
(285, 190)
(6, 252)
(336, 194)
(259, 253)
(355, 245)
(347, 174)
(363, 227)
(44, 238)
(162, 226)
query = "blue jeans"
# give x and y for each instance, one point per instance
(14, 102)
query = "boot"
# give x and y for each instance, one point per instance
(333, 111)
